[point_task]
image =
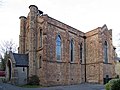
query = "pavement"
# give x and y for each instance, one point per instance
(86, 86)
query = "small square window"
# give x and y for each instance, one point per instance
(23, 69)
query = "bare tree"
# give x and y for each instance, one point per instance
(7, 46)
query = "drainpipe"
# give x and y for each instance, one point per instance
(85, 56)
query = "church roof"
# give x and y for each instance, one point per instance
(20, 59)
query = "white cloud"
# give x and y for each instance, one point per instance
(81, 14)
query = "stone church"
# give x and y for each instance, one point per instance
(60, 54)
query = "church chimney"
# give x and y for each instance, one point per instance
(22, 35)
(32, 39)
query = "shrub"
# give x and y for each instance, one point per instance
(107, 86)
(113, 84)
(110, 84)
(33, 80)
(2, 79)
(116, 85)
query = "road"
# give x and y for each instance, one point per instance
(86, 86)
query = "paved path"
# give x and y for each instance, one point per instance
(71, 87)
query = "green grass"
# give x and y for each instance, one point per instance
(31, 86)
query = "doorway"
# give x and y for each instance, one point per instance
(9, 70)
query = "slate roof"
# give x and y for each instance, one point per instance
(21, 59)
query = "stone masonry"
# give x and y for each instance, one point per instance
(42, 53)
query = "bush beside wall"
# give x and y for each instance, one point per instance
(113, 84)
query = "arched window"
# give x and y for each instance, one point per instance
(105, 52)
(40, 37)
(81, 51)
(71, 50)
(58, 47)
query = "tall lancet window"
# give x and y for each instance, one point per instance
(105, 52)
(81, 51)
(40, 61)
(71, 50)
(58, 47)
(40, 37)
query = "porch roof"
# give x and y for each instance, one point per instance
(21, 59)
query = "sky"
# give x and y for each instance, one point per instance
(84, 15)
